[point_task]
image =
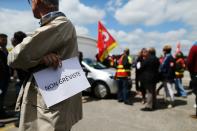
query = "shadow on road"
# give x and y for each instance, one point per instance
(161, 104)
(136, 98)
(88, 97)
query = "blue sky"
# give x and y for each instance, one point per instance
(15, 4)
(133, 23)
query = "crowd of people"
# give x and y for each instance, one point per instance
(151, 72)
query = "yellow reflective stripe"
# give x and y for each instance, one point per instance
(127, 70)
(123, 70)
(178, 73)
(120, 66)
(130, 59)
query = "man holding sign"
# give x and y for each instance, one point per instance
(54, 39)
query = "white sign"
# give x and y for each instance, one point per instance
(62, 83)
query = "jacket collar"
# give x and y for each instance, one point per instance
(49, 17)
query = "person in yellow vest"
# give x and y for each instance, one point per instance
(123, 74)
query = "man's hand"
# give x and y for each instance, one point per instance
(52, 60)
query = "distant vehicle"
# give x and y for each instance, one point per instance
(101, 78)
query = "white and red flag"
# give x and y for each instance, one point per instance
(105, 42)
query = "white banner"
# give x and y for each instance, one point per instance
(62, 83)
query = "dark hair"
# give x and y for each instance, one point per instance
(167, 48)
(179, 55)
(126, 51)
(3, 35)
(143, 49)
(54, 3)
(80, 55)
(19, 36)
(152, 51)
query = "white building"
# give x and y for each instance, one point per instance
(87, 46)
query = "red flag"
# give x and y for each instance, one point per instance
(105, 42)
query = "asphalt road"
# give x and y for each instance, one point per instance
(109, 115)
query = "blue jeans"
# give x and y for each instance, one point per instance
(123, 89)
(179, 87)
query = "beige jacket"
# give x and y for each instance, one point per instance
(58, 36)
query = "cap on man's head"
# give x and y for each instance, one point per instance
(3, 35)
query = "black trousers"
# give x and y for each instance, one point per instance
(194, 86)
(3, 87)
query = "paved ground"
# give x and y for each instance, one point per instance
(109, 115)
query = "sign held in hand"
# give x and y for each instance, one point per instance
(62, 83)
